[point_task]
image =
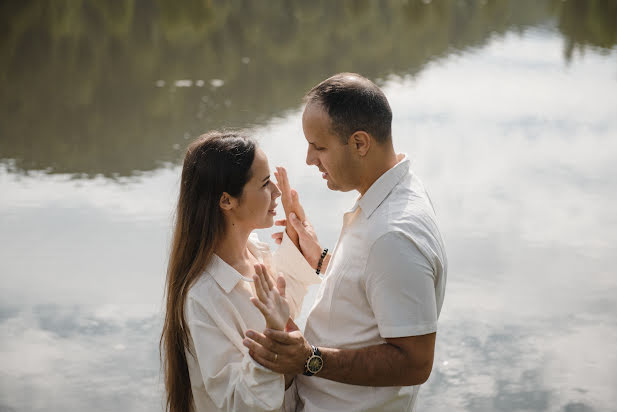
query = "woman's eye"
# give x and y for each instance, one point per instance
(266, 184)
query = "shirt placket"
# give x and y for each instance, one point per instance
(348, 219)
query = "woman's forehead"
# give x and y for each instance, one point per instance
(260, 165)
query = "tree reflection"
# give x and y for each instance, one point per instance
(78, 79)
(587, 23)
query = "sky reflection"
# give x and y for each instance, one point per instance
(519, 153)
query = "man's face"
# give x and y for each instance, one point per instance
(326, 151)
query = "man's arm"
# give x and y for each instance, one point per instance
(398, 362)
(400, 287)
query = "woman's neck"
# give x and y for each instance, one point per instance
(233, 247)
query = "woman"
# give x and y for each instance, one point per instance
(226, 193)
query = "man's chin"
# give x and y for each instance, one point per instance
(337, 188)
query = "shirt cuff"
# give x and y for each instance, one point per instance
(404, 331)
(288, 259)
(260, 387)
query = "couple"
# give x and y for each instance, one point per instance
(229, 342)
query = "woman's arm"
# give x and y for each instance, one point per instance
(233, 380)
(297, 227)
(272, 303)
(270, 300)
(299, 275)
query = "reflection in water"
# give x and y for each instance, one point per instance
(516, 145)
(92, 87)
(80, 358)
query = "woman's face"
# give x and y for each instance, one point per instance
(255, 208)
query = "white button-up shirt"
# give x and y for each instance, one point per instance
(218, 311)
(386, 279)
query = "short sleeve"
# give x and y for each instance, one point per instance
(400, 287)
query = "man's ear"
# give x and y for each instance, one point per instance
(227, 202)
(361, 142)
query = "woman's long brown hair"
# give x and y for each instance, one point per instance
(216, 162)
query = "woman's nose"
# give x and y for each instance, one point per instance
(276, 193)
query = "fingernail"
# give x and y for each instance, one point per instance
(245, 342)
(249, 334)
(292, 215)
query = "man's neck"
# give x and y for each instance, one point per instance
(377, 168)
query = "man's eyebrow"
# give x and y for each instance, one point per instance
(266, 178)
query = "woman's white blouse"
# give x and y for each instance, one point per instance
(218, 311)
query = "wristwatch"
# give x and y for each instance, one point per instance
(314, 363)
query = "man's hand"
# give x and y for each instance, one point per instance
(270, 300)
(308, 243)
(282, 352)
(404, 361)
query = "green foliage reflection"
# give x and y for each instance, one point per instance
(78, 78)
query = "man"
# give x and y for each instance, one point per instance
(370, 336)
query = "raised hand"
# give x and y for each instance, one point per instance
(271, 300)
(298, 228)
(291, 202)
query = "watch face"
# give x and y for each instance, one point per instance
(314, 364)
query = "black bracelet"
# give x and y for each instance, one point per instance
(323, 256)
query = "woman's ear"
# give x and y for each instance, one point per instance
(227, 202)
(361, 142)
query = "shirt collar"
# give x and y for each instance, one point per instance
(380, 189)
(225, 275)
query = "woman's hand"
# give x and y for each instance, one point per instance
(271, 300)
(291, 202)
(298, 228)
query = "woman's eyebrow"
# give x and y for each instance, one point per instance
(266, 178)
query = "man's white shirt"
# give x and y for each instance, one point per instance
(386, 279)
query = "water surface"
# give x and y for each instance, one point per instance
(507, 109)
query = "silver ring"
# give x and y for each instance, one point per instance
(276, 356)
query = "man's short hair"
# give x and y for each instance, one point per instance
(354, 103)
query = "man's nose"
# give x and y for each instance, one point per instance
(310, 158)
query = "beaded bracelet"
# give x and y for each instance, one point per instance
(323, 256)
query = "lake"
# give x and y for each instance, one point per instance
(508, 110)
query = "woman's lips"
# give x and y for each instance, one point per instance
(272, 211)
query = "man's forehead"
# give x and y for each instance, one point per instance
(315, 109)
(316, 118)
